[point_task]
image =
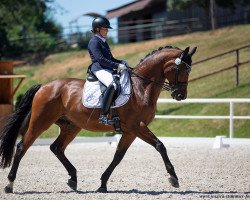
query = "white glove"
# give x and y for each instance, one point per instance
(121, 67)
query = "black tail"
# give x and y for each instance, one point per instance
(9, 132)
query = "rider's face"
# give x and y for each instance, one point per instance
(104, 32)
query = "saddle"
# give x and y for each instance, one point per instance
(94, 91)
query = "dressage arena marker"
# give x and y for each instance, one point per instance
(218, 142)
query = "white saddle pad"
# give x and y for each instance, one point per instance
(92, 98)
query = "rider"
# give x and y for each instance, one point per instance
(103, 63)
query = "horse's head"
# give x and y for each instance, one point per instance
(176, 71)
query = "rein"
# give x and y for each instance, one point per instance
(165, 86)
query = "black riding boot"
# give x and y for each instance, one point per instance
(106, 103)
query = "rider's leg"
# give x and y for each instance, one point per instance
(106, 103)
(107, 79)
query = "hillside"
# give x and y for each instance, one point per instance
(74, 64)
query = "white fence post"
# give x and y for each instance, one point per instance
(231, 120)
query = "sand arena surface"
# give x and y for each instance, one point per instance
(204, 173)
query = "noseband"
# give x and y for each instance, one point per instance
(170, 87)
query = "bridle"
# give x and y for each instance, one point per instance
(170, 87)
(177, 84)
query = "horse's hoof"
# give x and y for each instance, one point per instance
(102, 190)
(174, 182)
(72, 184)
(8, 189)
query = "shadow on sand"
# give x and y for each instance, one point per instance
(134, 191)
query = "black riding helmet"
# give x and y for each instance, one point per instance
(100, 22)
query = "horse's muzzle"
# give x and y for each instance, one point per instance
(179, 95)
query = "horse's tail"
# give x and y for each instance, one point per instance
(9, 132)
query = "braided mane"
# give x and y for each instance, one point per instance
(157, 50)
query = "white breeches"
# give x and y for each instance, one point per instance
(105, 77)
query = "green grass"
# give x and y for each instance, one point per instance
(53, 132)
(222, 85)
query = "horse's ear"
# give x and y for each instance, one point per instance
(186, 51)
(192, 51)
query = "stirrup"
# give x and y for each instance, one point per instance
(105, 120)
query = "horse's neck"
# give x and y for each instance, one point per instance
(145, 91)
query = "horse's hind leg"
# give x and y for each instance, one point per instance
(37, 125)
(67, 134)
(18, 155)
(12, 175)
(22, 147)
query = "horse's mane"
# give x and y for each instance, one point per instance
(157, 50)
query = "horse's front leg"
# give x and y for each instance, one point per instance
(124, 143)
(146, 135)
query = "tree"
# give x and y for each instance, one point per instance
(3, 38)
(24, 19)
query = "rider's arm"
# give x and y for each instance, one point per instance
(95, 48)
(116, 60)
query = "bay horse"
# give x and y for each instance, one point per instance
(60, 102)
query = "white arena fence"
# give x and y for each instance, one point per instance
(231, 115)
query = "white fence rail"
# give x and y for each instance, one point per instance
(231, 116)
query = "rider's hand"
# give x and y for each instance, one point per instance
(125, 63)
(121, 67)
